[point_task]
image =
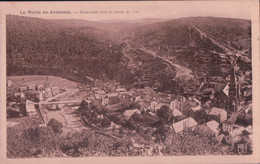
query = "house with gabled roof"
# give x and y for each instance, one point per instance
(188, 123)
(23, 88)
(214, 126)
(176, 113)
(217, 114)
(210, 128)
(31, 87)
(39, 87)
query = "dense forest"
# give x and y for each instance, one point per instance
(38, 46)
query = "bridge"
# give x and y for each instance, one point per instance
(43, 113)
(75, 102)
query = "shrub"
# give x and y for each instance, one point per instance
(32, 142)
(71, 144)
(84, 105)
(12, 113)
(137, 117)
(55, 125)
(164, 112)
(105, 123)
(32, 133)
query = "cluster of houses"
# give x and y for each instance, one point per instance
(226, 129)
(109, 98)
(34, 92)
(107, 93)
(37, 92)
(217, 123)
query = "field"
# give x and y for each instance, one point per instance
(38, 79)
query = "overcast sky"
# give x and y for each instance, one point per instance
(137, 9)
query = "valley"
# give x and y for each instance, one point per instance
(148, 87)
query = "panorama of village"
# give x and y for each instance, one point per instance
(145, 121)
(146, 87)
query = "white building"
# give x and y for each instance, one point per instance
(188, 123)
(217, 114)
(9, 83)
(214, 126)
(30, 106)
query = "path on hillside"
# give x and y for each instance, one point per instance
(181, 70)
(225, 48)
(228, 50)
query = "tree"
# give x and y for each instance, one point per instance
(164, 112)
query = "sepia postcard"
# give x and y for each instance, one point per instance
(130, 81)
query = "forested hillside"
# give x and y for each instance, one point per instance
(37, 46)
(168, 55)
(179, 40)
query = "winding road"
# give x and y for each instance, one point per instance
(181, 70)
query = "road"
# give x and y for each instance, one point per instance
(75, 102)
(225, 47)
(181, 70)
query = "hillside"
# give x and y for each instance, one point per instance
(37, 46)
(181, 41)
(195, 48)
(168, 55)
